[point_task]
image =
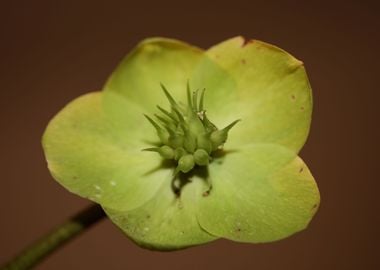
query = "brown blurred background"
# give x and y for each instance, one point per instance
(54, 51)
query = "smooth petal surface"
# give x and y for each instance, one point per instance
(221, 98)
(260, 193)
(262, 85)
(166, 222)
(93, 154)
(155, 61)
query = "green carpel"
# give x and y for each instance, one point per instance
(186, 135)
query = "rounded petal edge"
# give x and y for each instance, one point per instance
(272, 93)
(166, 222)
(88, 154)
(152, 62)
(262, 194)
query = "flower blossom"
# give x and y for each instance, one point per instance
(184, 146)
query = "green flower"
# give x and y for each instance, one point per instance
(212, 177)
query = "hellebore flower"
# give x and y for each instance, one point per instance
(204, 174)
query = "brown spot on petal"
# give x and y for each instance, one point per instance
(314, 206)
(206, 193)
(301, 169)
(293, 97)
(247, 42)
(243, 61)
(302, 108)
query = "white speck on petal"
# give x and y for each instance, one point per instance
(98, 195)
(146, 229)
(113, 183)
(97, 187)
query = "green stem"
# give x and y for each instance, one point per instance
(56, 238)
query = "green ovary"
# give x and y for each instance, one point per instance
(186, 135)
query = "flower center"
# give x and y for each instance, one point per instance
(186, 134)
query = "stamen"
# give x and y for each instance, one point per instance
(167, 113)
(168, 96)
(219, 137)
(162, 134)
(201, 100)
(170, 127)
(162, 119)
(165, 151)
(179, 115)
(156, 126)
(189, 103)
(227, 128)
(195, 100)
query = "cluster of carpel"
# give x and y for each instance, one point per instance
(186, 134)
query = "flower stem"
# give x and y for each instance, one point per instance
(56, 238)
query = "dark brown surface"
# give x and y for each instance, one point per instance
(53, 52)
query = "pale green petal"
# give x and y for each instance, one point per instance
(94, 155)
(262, 85)
(221, 96)
(260, 193)
(155, 61)
(167, 221)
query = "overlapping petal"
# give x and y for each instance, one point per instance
(167, 221)
(260, 193)
(154, 61)
(94, 156)
(261, 84)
